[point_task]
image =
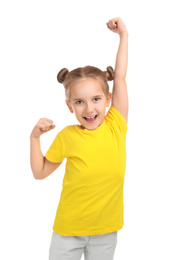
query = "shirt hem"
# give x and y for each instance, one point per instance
(86, 233)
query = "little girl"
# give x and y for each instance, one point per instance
(90, 210)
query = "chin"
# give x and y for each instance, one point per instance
(91, 127)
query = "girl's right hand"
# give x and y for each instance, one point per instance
(43, 126)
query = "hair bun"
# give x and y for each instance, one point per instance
(110, 73)
(62, 75)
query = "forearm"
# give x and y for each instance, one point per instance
(122, 57)
(36, 158)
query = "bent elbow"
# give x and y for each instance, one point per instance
(38, 176)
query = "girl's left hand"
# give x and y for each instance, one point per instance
(116, 25)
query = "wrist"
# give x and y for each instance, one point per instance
(124, 34)
(33, 137)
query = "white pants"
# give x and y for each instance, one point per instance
(96, 247)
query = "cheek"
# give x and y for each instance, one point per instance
(78, 110)
(102, 106)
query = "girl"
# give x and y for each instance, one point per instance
(90, 210)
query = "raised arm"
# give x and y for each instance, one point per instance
(40, 166)
(119, 93)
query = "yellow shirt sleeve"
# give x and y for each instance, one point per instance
(116, 120)
(54, 153)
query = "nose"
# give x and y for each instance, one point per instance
(89, 108)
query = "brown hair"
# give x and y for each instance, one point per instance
(68, 78)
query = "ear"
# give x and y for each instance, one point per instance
(70, 107)
(109, 99)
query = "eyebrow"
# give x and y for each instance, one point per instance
(98, 96)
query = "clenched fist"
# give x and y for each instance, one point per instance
(116, 25)
(44, 125)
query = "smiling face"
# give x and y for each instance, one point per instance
(88, 101)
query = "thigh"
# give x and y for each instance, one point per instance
(101, 247)
(66, 247)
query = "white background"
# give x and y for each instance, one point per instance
(38, 38)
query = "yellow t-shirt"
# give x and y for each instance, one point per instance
(91, 201)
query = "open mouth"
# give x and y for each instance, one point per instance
(90, 119)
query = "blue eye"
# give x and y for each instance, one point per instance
(97, 99)
(78, 102)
